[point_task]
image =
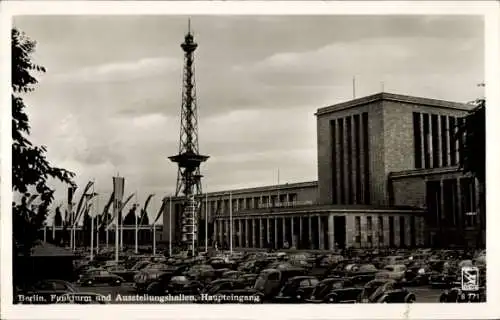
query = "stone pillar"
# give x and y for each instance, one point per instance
(363, 231)
(276, 233)
(375, 232)
(350, 234)
(240, 233)
(311, 245)
(408, 231)
(301, 230)
(268, 232)
(387, 240)
(397, 239)
(420, 226)
(321, 238)
(247, 234)
(254, 244)
(331, 232)
(293, 244)
(261, 235)
(283, 226)
(215, 235)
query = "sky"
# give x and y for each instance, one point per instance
(110, 100)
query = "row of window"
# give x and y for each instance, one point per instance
(452, 202)
(435, 141)
(350, 159)
(379, 239)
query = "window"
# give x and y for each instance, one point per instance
(444, 141)
(334, 160)
(433, 200)
(314, 281)
(402, 231)
(304, 283)
(391, 231)
(426, 138)
(381, 229)
(468, 190)
(417, 140)
(341, 168)
(453, 145)
(357, 158)
(357, 229)
(350, 172)
(450, 198)
(366, 160)
(273, 276)
(435, 141)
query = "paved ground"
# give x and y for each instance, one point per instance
(423, 294)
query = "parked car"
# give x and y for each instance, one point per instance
(330, 290)
(46, 290)
(417, 274)
(270, 281)
(296, 290)
(100, 277)
(385, 291)
(394, 272)
(127, 275)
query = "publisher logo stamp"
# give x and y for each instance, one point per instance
(470, 279)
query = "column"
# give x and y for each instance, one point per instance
(268, 232)
(354, 169)
(447, 128)
(240, 233)
(338, 162)
(439, 146)
(350, 234)
(261, 235)
(300, 237)
(331, 232)
(363, 231)
(215, 235)
(397, 239)
(421, 230)
(431, 146)
(387, 240)
(247, 234)
(311, 245)
(293, 244)
(345, 182)
(276, 233)
(375, 239)
(321, 238)
(408, 231)
(254, 244)
(283, 225)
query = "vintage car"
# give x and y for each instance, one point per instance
(333, 290)
(458, 295)
(100, 277)
(183, 285)
(296, 290)
(270, 281)
(127, 275)
(385, 291)
(155, 277)
(231, 274)
(417, 274)
(46, 290)
(201, 272)
(393, 272)
(224, 284)
(222, 263)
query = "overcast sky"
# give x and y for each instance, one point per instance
(110, 100)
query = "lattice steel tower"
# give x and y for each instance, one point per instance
(188, 158)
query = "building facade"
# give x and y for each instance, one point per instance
(388, 176)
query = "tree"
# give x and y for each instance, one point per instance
(30, 167)
(471, 136)
(58, 217)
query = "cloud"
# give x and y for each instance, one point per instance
(121, 71)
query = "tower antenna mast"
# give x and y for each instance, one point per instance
(189, 159)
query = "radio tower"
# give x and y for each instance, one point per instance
(188, 158)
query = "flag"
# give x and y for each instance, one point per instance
(144, 211)
(105, 211)
(120, 213)
(82, 198)
(69, 217)
(87, 197)
(162, 208)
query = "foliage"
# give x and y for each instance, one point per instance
(30, 167)
(472, 138)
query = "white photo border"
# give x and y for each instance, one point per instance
(488, 9)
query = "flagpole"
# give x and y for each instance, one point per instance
(54, 228)
(116, 209)
(206, 221)
(98, 225)
(92, 224)
(136, 230)
(195, 225)
(230, 223)
(44, 233)
(170, 226)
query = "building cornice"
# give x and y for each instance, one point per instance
(396, 98)
(423, 172)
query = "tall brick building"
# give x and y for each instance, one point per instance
(387, 177)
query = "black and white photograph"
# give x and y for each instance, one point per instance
(249, 159)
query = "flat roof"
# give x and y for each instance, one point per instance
(397, 98)
(317, 208)
(263, 189)
(423, 172)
